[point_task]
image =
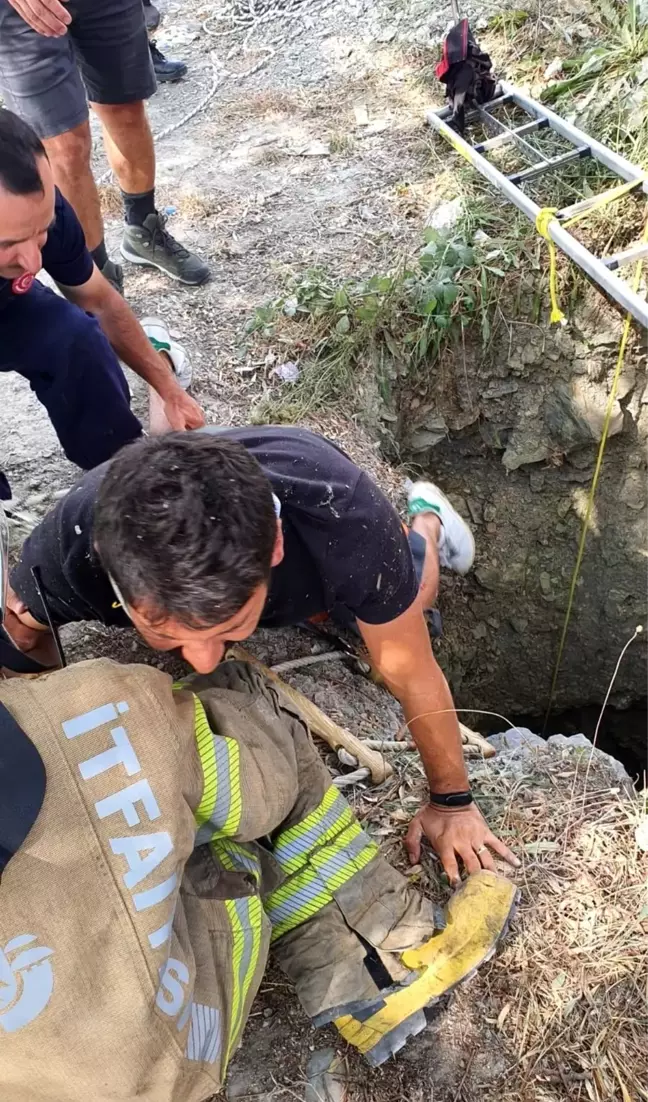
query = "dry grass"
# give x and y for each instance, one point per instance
(566, 996)
(112, 204)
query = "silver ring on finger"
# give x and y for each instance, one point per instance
(482, 849)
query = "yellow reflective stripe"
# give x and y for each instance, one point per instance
(238, 946)
(350, 852)
(293, 833)
(304, 895)
(233, 820)
(292, 847)
(246, 918)
(301, 899)
(255, 913)
(221, 803)
(236, 858)
(207, 753)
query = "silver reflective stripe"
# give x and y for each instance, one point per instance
(240, 857)
(337, 861)
(287, 851)
(223, 794)
(308, 893)
(204, 1040)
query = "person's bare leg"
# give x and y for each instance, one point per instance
(129, 145)
(69, 156)
(428, 526)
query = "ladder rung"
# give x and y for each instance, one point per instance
(548, 166)
(502, 139)
(446, 112)
(636, 252)
(536, 156)
(497, 102)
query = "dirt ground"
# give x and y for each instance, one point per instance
(276, 174)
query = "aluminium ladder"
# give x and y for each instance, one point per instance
(601, 269)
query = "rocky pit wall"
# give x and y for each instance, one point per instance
(513, 438)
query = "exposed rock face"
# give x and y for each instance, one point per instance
(513, 438)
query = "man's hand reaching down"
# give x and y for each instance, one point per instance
(456, 834)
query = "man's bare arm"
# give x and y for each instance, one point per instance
(402, 653)
(131, 344)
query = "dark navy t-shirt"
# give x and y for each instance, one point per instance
(65, 255)
(344, 545)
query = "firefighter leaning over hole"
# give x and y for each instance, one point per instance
(155, 842)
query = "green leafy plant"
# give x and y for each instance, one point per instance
(395, 323)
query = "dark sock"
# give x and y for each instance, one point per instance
(138, 207)
(99, 255)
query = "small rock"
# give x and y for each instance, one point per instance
(515, 737)
(326, 1077)
(545, 582)
(475, 510)
(563, 507)
(480, 631)
(633, 491)
(361, 114)
(287, 372)
(446, 215)
(553, 69)
(388, 34)
(536, 480)
(313, 149)
(488, 577)
(518, 624)
(490, 512)
(268, 1012)
(376, 127)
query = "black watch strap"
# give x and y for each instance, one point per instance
(451, 799)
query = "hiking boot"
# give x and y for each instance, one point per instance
(166, 71)
(160, 338)
(456, 542)
(477, 918)
(114, 273)
(152, 245)
(151, 16)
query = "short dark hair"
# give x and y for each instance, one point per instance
(186, 523)
(19, 148)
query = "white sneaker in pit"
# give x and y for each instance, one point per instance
(456, 542)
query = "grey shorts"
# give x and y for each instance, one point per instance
(104, 58)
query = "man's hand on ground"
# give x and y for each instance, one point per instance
(47, 17)
(460, 833)
(181, 410)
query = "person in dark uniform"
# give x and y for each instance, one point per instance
(68, 346)
(196, 538)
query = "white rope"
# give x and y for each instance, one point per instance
(243, 15)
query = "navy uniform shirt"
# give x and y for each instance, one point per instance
(344, 545)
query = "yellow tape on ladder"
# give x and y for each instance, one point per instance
(545, 216)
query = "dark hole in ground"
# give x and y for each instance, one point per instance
(623, 732)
